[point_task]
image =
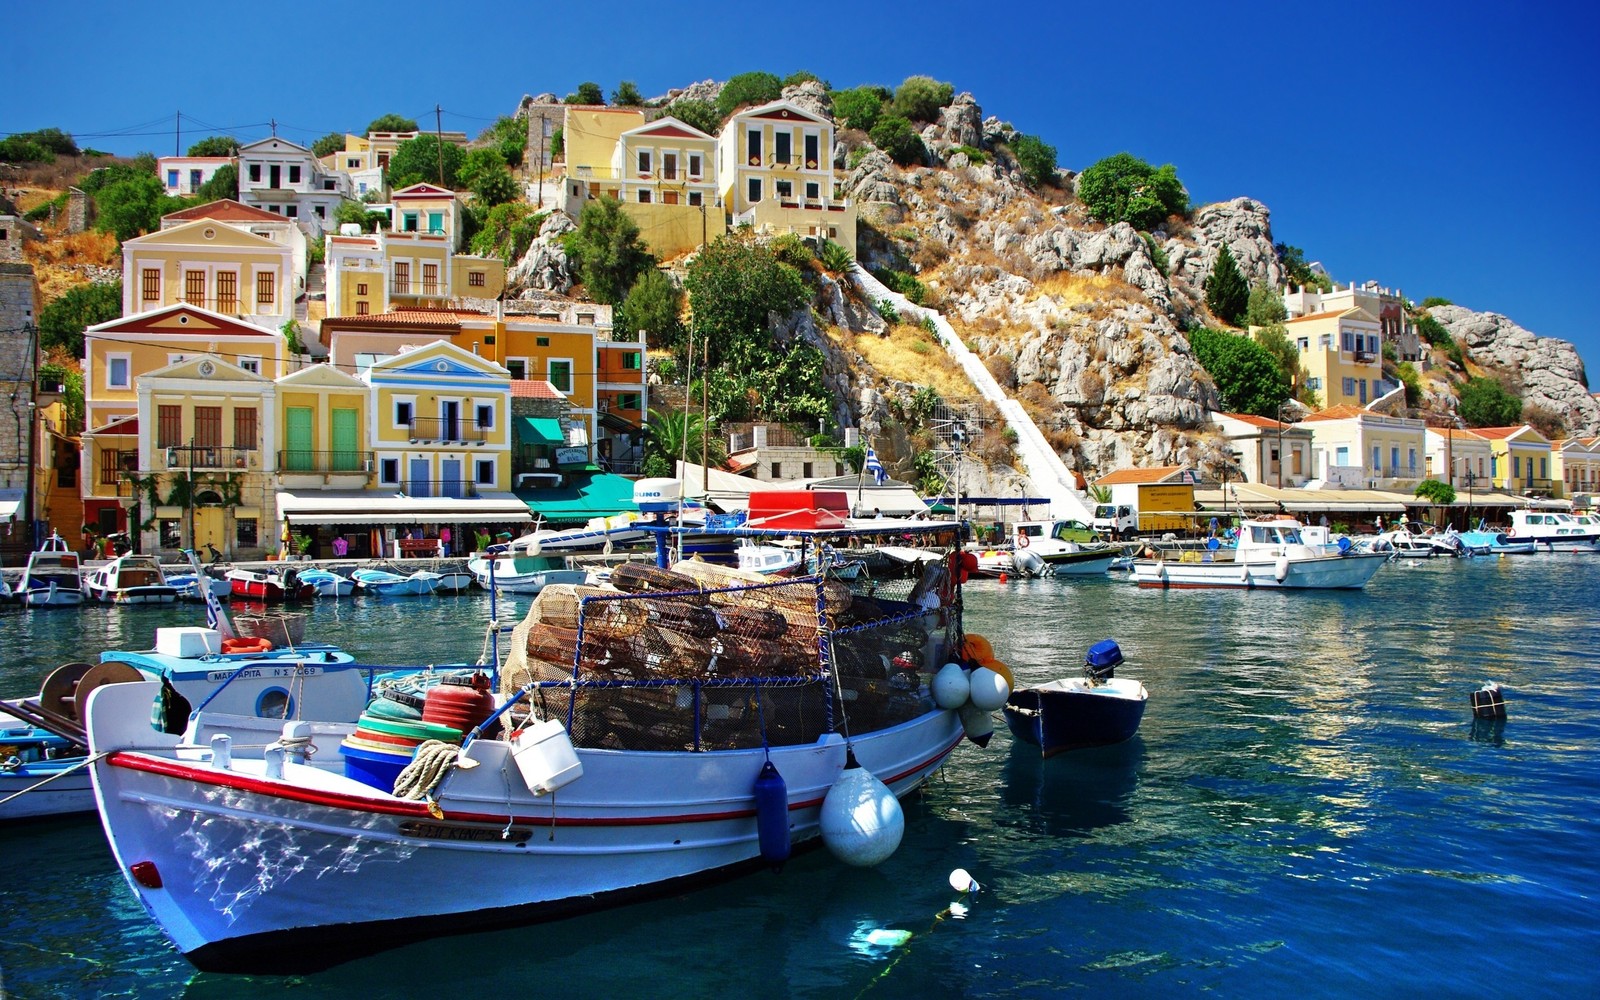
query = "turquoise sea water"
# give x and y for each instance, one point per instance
(1309, 810)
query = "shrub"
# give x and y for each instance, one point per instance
(14, 149)
(800, 76)
(1265, 306)
(654, 305)
(1227, 295)
(904, 283)
(919, 98)
(859, 108)
(391, 123)
(507, 231)
(1456, 353)
(748, 88)
(1483, 402)
(51, 139)
(1158, 255)
(1037, 160)
(223, 184)
(890, 314)
(974, 156)
(215, 145)
(1124, 188)
(1406, 372)
(791, 249)
(607, 250)
(62, 322)
(702, 115)
(1431, 330)
(588, 92)
(835, 257)
(419, 159)
(1434, 300)
(331, 143)
(895, 136)
(1248, 378)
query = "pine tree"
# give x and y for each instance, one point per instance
(1227, 294)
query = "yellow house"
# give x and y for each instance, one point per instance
(775, 173)
(1342, 353)
(1365, 449)
(325, 430)
(1458, 457)
(117, 352)
(441, 422)
(214, 265)
(667, 185)
(368, 275)
(1520, 460)
(589, 137)
(205, 457)
(430, 209)
(1577, 465)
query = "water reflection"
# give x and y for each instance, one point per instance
(1490, 731)
(1072, 794)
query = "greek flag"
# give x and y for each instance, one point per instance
(875, 467)
(215, 617)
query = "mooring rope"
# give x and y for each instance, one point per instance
(434, 759)
(85, 762)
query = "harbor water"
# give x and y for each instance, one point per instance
(1309, 810)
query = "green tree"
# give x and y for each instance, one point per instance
(702, 115)
(627, 95)
(53, 139)
(800, 76)
(558, 142)
(674, 435)
(329, 144)
(894, 135)
(1295, 269)
(223, 184)
(62, 322)
(215, 145)
(836, 257)
(1483, 402)
(1247, 377)
(588, 92)
(130, 207)
(734, 284)
(1406, 372)
(476, 162)
(70, 378)
(748, 89)
(390, 123)
(1265, 306)
(1227, 295)
(1275, 340)
(418, 160)
(1124, 188)
(14, 149)
(919, 98)
(1036, 158)
(495, 186)
(510, 137)
(655, 306)
(1436, 492)
(1431, 330)
(859, 108)
(355, 212)
(607, 249)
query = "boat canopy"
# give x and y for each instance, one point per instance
(391, 507)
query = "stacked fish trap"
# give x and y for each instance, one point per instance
(705, 657)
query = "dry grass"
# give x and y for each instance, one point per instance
(58, 261)
(1069, 290)
(910, 354)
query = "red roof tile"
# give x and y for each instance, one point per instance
(225, 210)
(527, 388)
(1341, 412)
(1151, 475)
(1255, 421)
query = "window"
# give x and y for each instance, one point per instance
(485, 419)
(695, 198)
(430, 279)
(644, 197)
(389, 470)
(1544, 468)
(694, 165)
(752, 146)
(435, 222)
(630, 401)
(1349, 387)
(361, 288)
(784, 190)
(1314, 382)
(475, 279)
(352, 163)
(208, 426)
(194, 287)
(172, 179)
(1411, 459)
(244, 427)
(1516, 466)
(776, 469)
(402, 277)
(812, 141)
(150, 285)
(247, 532)
(266, 288)
(320, 210)
(294, 173)
(1325, 342)
(669, 166)
(805, 470)
(1394, 459)
(402, 413)
(541, 341)
(630, 361)
(813, 191)
(1304, 343)
(518, 367)
(754, 193)
(485, 472)
(782, 146)
(250, 364)
(292, 211)
(227, 292)
(117, 376)
(169, 426)
(361, 308)
(644, 161)
(561, 374)
(408, 222)
(1377, 459)
(255, 173)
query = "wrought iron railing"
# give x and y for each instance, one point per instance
(181, 458)
(300, 460)
(456, 488)
(444, 429)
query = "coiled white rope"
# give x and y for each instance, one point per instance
(434, 759)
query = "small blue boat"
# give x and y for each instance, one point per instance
(328, 583)
(386, 584)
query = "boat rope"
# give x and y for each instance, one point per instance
(488, 636)
(434, 759)
(85, 762)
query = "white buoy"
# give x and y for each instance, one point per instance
(960, 881)
(1280, 570)
(861, 821)
(989, 689)
(951, 686)
(978, 723)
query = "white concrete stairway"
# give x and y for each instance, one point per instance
(1049, 476)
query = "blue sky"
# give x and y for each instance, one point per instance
(1447, 149)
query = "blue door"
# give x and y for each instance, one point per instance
(450, 472)
(419, 477)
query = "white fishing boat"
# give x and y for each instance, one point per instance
(1553, 531)
(53, 576)
(642, 723)
(522, 574)
(130, 579)
(1268, 554)
(387, 584)
(270, 585)
(193, 586)
(595, 535)
(778, 558)
(454, 581)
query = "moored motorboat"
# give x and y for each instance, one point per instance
(194, 586)
(453, 581)
(652, 710)
(387, 584)
(1496, 542)
(522, 574)
(270, 585)
(1268, 554)
(131, 579)
(1071, 713)
(1553, 531)
(327, 583)
(53, 576)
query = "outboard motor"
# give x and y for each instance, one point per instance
(1101, 662)
(291, 584)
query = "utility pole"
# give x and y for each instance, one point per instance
(274, 123)
(33, 434)
(705, 415)
(438, 138)
(177, 135)
(193, 542)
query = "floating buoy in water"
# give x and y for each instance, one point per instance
(1004, 578)
(960, 881)
(978, 723)
(989, 689)
(1488, 702)
(772, 816)
(861, 821)
(951, 686)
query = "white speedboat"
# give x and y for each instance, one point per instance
(522, 574)
(1268, 554)
(53, 576)
(771, 558)
(131, 579)
(273, 865)
(194, 586)
(1553, 531)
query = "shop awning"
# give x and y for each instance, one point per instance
(10, 503)
(358, 507)
(538, 430)
(583, 497)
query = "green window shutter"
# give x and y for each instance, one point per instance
(346, 451)
(298, 455)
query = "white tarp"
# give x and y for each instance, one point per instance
(379, 507)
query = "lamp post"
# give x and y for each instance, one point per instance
(1469, 478)
(1280, 446)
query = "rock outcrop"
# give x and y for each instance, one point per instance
(809, 96)
(545, 266)
(1551, 373)
(1245, 226)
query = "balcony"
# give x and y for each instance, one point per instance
(419, 290)
(440, 430)
(1364, 357)
(458, 489)
(205, 458)
(325, 462)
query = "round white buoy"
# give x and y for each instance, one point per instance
(989, 689)
(861, 821)
(1280, 569)
(951, 686)
(960, 881)
(978, 723)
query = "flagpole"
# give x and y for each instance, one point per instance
(861, 477)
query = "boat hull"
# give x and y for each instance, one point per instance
(1072, 714)
(65, 794)
(272, 876)
(50, 597)
(1350, 571)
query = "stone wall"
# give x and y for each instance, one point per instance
(80, 210)
(19, 304)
